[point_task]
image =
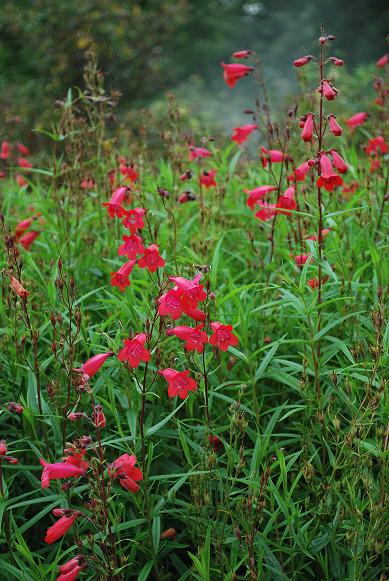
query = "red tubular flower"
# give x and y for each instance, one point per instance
(191, 292)
(383, 61)
(328, 178)
(179, 382)
(357, 120)
(22, 226)
(93, 365)
(170, 304)
(286, 202)
(215, 443)
(301, 259)
(376, 144)
(302, 61)
(134, 350)
(22, 162)
(134, 219)
(194, 338)
(121, 277)
(70, 575)
(22, 149)
(235, 71)
(132, 246)
(314, 282)
(151, 258)
(128, 172)
(128, 474)
(337, 62)
(4, 150)
(15, 408)
(195, 314)
(18, 288)
(242, 54)
(60, 528)
(328, 90)
(240, 134)
(335, 128)
(29, 238)
(114, 206)
(187, 196)
(22, 183)
(207, 178)
(58, 471)
(222, 336)
(70, 570)
(339, 163)
(186, 175)
(271, 155)
(198, 153)
(3, 447)
(266, 212)
(307, 131)
(76, 458)
(300, 173)
(257, 194)
(98, 416)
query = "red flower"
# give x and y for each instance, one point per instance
(198, 153)
(187, 196)
(241, 134)
(60, 528)
(194, 338)
(301, 259)
(93, 365)
(383, 61)
(186, 175)
(222, 336)
(70, 569)
(170, 304)
(337, 62)
(128, 172)
(376, 144)
(132, 246)
(98, 416)
(151, 258)
(179, 382)
(76, 458)
(339, 163)
(302, 61)
(128, 474)
(134, 350)
(22, 183)
(328, 178)
(4, 150)
(215, 443)
(286, 201)
(191, 292)
(22, 149)
(300, 173)
(357, 120)
(271, 155)
(58, 470)
(29, 238)
(24, 163)
(266, 212)
(121, 277)
(87, 184)
(335, 128)
(3, 447)
(328, 90)
(134, 219)
(257, 194)
(235, 71)
(115, 204)
(314, 282)
(207, 178)
(307, 131)
(18, 288)
(242, 54)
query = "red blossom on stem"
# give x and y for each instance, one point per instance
(241, 134)
(194, 338)
(235, 71)
(134, 350)
(222, 336)
(120, 278)
(127, 473)
(60, 528)
(151, 258)
(179, 382)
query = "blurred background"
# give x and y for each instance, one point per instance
(147, 48)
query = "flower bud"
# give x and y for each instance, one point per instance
(3, 447)
(302, 61)
(15, 408)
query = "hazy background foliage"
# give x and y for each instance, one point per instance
(146, 48)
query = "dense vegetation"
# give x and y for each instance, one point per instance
(193, 338)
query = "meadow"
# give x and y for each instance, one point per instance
(194, 336)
